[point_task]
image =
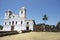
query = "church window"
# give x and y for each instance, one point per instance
(9, 23)
(12, 22)
(5, 23)
(21, 22)
(10, 13)
(22, 11)
(16, 22)
(27, 22)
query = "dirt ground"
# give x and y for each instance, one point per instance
(33, 36)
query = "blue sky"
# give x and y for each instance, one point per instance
(35, 9)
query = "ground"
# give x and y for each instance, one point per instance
(33, 36)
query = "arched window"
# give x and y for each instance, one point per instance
(12, 22)
(16, 22)
(27, 22)
(21, 22)
(9, 23)
(21, 11)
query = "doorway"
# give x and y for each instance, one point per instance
(27, 28)
(12, 28)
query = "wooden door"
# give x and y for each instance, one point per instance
(12, 28)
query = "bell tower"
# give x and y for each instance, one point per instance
(8, 13)
(22, 12)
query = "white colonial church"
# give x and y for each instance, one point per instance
(13, 22)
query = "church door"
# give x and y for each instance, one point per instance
(12, 28)
(27, 28)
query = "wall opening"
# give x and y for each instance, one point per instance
(27, 28)
(12, 28)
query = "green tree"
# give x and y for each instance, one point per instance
(1, 27)
(58, 26)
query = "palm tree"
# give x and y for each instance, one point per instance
(45, 18)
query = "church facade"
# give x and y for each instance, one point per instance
(13, 22)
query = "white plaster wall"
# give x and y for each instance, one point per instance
(30, 24)
(6, 28)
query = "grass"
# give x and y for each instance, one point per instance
(34, 36)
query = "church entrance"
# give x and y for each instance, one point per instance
(12, 28)
(27, 28)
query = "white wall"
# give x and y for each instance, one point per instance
(17, 26)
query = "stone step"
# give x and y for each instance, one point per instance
(4, 33)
